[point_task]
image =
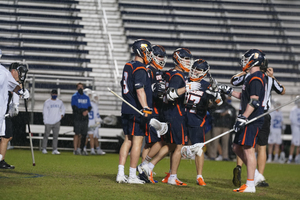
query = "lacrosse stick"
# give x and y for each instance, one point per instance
(161, 128)
(189, 151)
(29, 131)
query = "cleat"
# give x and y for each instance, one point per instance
(44, 151)
(75, 152)
(200, 181)
(135, 180)
(4, 165)
(219, 158)
(176, 181)
(237, 177)
(269, 160)
(55, 152)
(165, 180)
(93, 153)
(245, 188)
(146, 170)
(259, 178)
(142, 174)
(100, 152)
(84, 153)
(122, 179)
(289, 161)
(151, 178)
(263, 184)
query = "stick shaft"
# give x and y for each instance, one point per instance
(252, 120)
(125, 102)
(30, 139)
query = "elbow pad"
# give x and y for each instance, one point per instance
(172, 94)
(255, 103)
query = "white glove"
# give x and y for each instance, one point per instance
(25, 94)
(190, 86)
(217, 95)
(13, 110)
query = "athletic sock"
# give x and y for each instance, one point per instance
(92, 150)
(250, 182)
(97, 148)
(199, 176)
(290, 157)
(276, 157)
(121, 170)
(150, 165)
(132, 172)
(270, 157)
(173, 176)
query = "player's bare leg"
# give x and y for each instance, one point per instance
(261, 158)
(292, 148)
(146, 151)
(124, 150)
(199, 161)
(3, 148)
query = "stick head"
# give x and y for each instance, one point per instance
(190, 151)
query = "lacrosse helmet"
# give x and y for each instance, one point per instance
(87, 91)
(183, 58)
(143, 49)
(159, 56)
(254, 57)
(199, 70)
(94, 97)
(21, 69)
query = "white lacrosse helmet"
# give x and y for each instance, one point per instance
(87, 91)
(94, 97)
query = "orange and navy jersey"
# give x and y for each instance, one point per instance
(254, 85)
(156, 76)
(176, 79)
(134, 77)
(197, 105)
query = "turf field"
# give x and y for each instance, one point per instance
(67, 176)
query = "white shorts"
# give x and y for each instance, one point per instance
(295, 135)
(2, 127)
(94, 132)
(275, 136)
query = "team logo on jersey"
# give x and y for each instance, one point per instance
(83, 101)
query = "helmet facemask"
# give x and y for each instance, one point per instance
(185, 63)
(159, 61)
(197, 75)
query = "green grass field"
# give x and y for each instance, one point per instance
(67, 176)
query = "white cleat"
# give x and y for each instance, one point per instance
(245, 188)
(122, 179)
(259, 178)
(55, 152)
(44, 151)
(100, 152)
(135, 180)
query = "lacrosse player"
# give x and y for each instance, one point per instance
(262, 139)
(295, 127)
(94, 125)
(275, 133)
(175, 114)
(197, 103)
(251, 106)
(153, 140)
(53, 112)
(136, 90)
(9, 82)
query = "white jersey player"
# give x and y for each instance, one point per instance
(94, 125)
(276, 128)
(295, 127)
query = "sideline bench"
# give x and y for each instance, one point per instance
(66, 133)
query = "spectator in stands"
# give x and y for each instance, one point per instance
(9, 81)
(81, 106)
(223, 120)
(295, 127)
(53, 112)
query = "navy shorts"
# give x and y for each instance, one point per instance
(152, 136)
(177, 133)
(131, 125)
(248, 135)
(196, 134)
(81, 127)
(264, 132)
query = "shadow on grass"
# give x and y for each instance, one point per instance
(16, 174)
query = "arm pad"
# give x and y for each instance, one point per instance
(255, 103)
(172, 94)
